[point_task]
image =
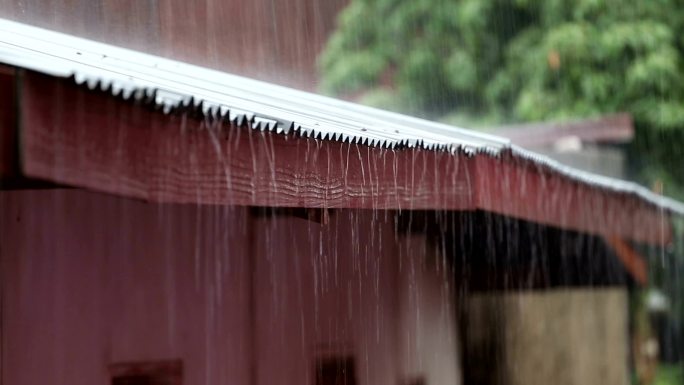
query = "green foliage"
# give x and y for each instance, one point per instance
(669, 375)
(513, 60)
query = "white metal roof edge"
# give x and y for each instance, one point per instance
(600, 181)
(175, 85)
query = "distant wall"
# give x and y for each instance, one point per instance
(559, 337)
(600, 159)
(271, 40)
(241, 298)
(428, 311)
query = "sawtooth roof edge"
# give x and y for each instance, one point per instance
(611, 184)
(172, 85)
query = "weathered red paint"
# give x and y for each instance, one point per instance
(265, 39)
(8, 123)
(525, 190)
(90, 139)
(93, 140)
(91, 280)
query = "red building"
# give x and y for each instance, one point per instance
(163, 223)
(270, 40)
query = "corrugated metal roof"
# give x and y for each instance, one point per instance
(617, 128)
(173, 85)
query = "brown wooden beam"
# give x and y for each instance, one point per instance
(90, 139)
(93, 140)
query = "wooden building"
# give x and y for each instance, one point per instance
(596, 145)
(270, 40)
(162, 223)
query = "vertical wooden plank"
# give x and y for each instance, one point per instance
(133, 23)
(183, 30)
(77, 17)
(35, 12)
(129, 23)
(8, 123)
(265, 39)
(93, 280)
(272, 40)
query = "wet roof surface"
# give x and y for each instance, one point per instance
(173, 86)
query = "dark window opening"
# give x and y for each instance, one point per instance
(147, 373)
(132, 380)
(335, 371)
(418, 380)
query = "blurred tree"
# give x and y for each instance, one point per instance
(485, 62)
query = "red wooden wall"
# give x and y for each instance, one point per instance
(268, 39)
(90, 280)
(8, 120)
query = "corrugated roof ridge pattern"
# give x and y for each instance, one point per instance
(172, 85)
